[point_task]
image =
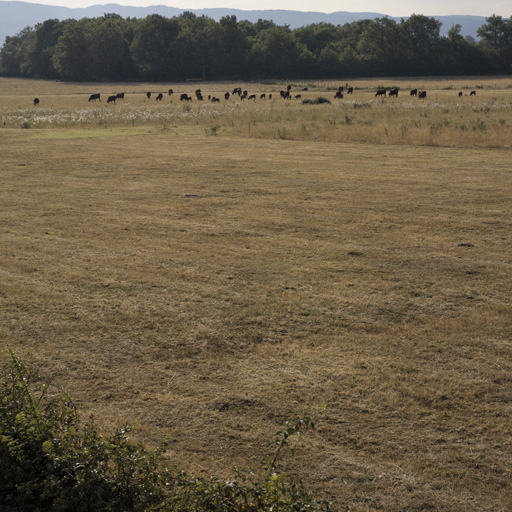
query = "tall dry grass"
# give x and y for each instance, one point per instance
(443, 119)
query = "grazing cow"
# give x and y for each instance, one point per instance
(94, 97)
(422, 95)
(199, 96)
(288, 88)
(171, 92)
(36, 102)
(215, 100)
(298, 96)
(226, 96)
(380, 92)
(414, 92)
(148, 95)
(237, 90)
(252, 97)
(120, 95)
(112, 99)
(393, 92)
(185, 97)
(350, 90)
(287, 95)
(305, 89)
(472, 93)
(338, 95)
(270, 96)
(262, 96)
(460, 94)
(160, 97)
(281, 93)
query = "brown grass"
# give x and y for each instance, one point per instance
(208, 287)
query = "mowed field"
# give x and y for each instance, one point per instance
(207, 271)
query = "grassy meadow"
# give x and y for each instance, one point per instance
(205, 271)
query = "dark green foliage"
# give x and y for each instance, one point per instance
(50, 461)
(188, 46)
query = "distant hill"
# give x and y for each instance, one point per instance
(14, 16)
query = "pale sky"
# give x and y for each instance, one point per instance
(391, 7)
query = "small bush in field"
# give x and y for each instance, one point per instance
(50, 461)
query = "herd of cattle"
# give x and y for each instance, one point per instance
(244, 95)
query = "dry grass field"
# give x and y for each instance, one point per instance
(205, 271)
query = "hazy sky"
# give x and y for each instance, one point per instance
(391, 7)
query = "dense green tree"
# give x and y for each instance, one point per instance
(422, 40)
(154, 47)
(15, 52)
(275, 52)
(233, 49)
(382, 45)
(110, 48)
(40, 63)
(192, 47)
(496, 38)
(72, 56)
(197, 47)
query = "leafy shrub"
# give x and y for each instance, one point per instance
(317, 101)
(49, 460)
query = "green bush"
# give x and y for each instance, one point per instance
(49, 460)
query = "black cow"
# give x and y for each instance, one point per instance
(460, 94)
(215, 100)
(393, 92)
(252, 97)
(94, 97)
(199, 96)
(36, 101)
(305, 89)
(287, 95)
(185, 97)
(380, 92)
(226, 96)
(338, 95)
(262, 96)
(171, 92)
(288, 88)
(160, 97)
(414, 92)
(270, 96)
(148, 95)
(422, 94)
(472, 93)
(120, 95)
(237, 90)
(112, 99)
(298, 96)
(350, 90)
(340, 88)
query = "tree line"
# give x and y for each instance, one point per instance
(157, 48)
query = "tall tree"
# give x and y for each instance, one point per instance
(422, 35)
(154, 47)
(15, 52)
(233, 49)
(72, 55)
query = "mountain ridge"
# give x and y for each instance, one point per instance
(16, 15)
